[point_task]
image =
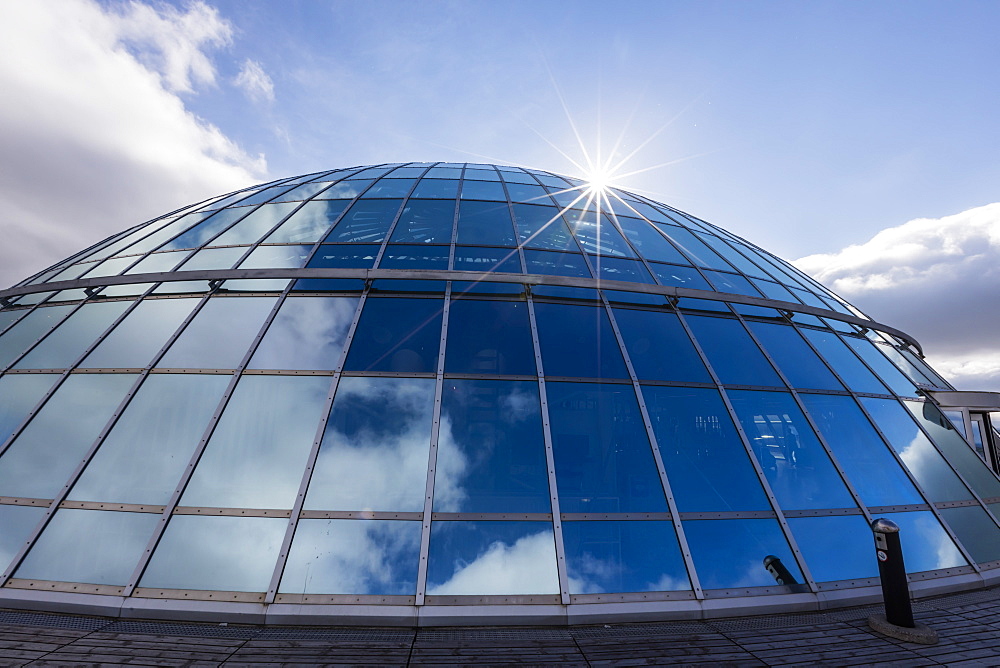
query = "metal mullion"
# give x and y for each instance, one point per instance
(550, 464)
(513, 221)
(44, 335)
(399, 214)
(792, 544)
(209, 429)
(27, 312)
(661, 469)
(286, 542)
(254, 245)
(425, 528)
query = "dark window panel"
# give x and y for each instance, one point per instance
(367, 221)
(659, 347)
(344, 256)
(926, 546)
(835, 548)
(402, 256)
(489, 337)
(801, 366)
(600, 238)
(730, 553)
(620, 269)
(397, 334)
(847, 365)
(436, 188)
(484, 190)
(543, 227)
(550, 263)
(577, 341)
(389, 188)
(651, 244)
(477, 258)
(681, 277)
(428, 222)
(485, 224)
(733, 355)
(623, 557)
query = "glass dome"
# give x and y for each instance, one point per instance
(452, 393)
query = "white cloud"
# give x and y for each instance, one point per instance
(255, 82)
(936, 279)
(93, 135)
(526, 567)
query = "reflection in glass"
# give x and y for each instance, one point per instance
(976, 530)
(18, 395)
(308, 224)
(730, 553)
(258, 451)
(18, 522)
(926, 545)
(28, 329)
(397, 334)
(157, 262)
(367, 221)
(353, 557)
(491, 337)
(864, 458)
(428, 222)
(486, 190)
(549, 263)
(375, 447)
(734, 356)
(199, 234)
(659, 347)
(142, 458)
(651, 244)
(282, 257)
(213, 258)
(603, 459)
(794, 357)
(478, 258)
(706, 463)
(345, 256)
(848, 366)
(893, 377)
(211, 341)
(403, 256)
(254, 226)
(221, 553)
(835, 548)
(623, 557)
(485, 224)
(492, 558)
(682, 277)
(132, 344)
(67, 342)
(491, 451)
(92, 546)
(598, 237)
(543, 227)
(577, 341)
(307, 333)
(40, 459)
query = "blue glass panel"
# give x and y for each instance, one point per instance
(39, 461)
(848, 366)
(213, 258)
(264, 195)
(92, 546)
(556, 264)
(258, 451)
(926, 545)
(623, 557)
(794, 357)
(659, 347)
(512, 176)
(303, 192)
(735, 258)
(329, 285)
(925, 463)
(489, 337)
(603, 459)
(600, 238)
(132, 344)
(733, 355)
(862, 455)
(482, 174)
(483, 190)
(796, 465)
(706, 463)
(406, 286)
(575, 197)
(626, 297)
(528, 194)
(72, 337)
(485, 224)
(18, 522)
(256, 225)
(619, 269)
(307, 333)
(397, 334)
(892, 376)
(436, 188)
(680, 277)
(344, 256)
(543, 227)
(374, 451)
(730, 553)
(651, 244)
(142, 458)
(477, 258)
(210, 341)
(401, 256)
(976, 530)
(353, 557)
(577, 341)
(835, 548)
(772, 290)
(428, 222)
(732, 283)
(18, 395)
(367, 221)
(307, 224)
(345, 189)
(695, 248)
(443, 171)
(283, 257)
(407, 172)
(459, 288)
(390, 188)
(492, 558)
(491, 451)
(200, 234)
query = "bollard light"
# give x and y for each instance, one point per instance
(898, 620)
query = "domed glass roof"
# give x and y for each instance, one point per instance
(404, 390)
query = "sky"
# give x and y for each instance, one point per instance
(858, 140)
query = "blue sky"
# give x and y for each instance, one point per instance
(807, 127)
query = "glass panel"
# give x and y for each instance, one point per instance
(425, 222)
(695, 248)
(308, 224)
(211, 342)
(213, 258)
(390, 188)
(92, 546)
(68, 341)
(975, 530)
(132, 344)
(40, 459)
(489, 337)
(651, 244)
(344, 257)
(926, 546)
(801, 366)
(600, 238)
(345, 189)
(477, 258)
(307, 333)
(303, 192)
(730, 553)
(793, 460)
(111, 267)
(158, 262)
(732, 283)
(367, 221)
(925, 463)
(623, 557)
(482, 174)
(375, 447)
(258, 451)
(775, 291)
(543, 227)
(437, 188)
(733, 355)
(736, 259)
(8, 317)
(603, 459)
(556, 264)
(527, 193)
(868, 351)
(835, 548)
(401, 256)
(28, 329)
(18, 395)
(848, 366)
(283, 257)
(200, 234)
(681, 277)
(487, 190)
(18, 522)
(485, 224)
(659, 347)
(577, 341)
(129, 290)
(144, 455)
(353, 557)
(396, 334)
(254, 226)
(872, 470)
(512, 176)
(491, 451)
(618, 269)
(955, 449)
(492, 558)
(220, 553)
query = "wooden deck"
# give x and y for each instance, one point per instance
(968, 625)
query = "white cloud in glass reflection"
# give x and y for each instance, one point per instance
(307, 333)
(305, 225)
(526, 567)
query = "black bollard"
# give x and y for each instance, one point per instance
(778, 570)
(892, 572)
